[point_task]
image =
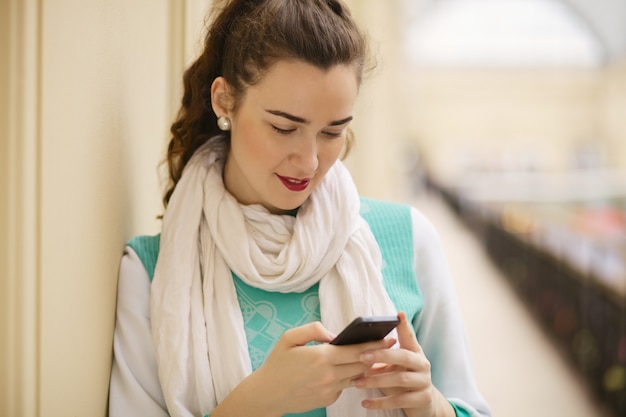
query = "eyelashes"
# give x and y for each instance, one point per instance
(288, 131)
(283, 131)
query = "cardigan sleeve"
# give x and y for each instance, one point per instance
(439, 327)
(134, 389)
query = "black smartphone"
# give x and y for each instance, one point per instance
(366, 329)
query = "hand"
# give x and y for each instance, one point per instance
(403, 375)
(297, 377)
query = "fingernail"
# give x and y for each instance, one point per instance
(367, 357)
(366, 404)
(358, 383)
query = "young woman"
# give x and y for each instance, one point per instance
(267, 251)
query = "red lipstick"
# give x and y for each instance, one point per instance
(294, 184)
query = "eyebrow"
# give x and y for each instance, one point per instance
(298, 119)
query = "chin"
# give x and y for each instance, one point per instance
(287, 207)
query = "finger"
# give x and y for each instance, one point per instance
(311, 332)
(403, 379)
(378, 369)
(415, 361)
(350, 372)
(401, 400)
(406, 334)
(352, 353)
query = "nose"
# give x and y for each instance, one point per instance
(304, 155)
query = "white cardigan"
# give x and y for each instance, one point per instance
(135, 388)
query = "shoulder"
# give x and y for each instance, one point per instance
(133, 282)
(147, 250)
(403, 232)
(424, 232)
(373, 209)
(136, 271)
(386, 218)
(390, 218)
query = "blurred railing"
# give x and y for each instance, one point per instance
(561, 242)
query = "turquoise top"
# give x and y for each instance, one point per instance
(268, 314)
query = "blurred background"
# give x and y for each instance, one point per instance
(504, 121)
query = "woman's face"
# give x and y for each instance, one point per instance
(288, 131)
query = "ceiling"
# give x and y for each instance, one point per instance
(606, 20)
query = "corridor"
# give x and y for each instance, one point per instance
(518, 369)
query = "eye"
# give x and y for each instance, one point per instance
(282, 131)
(332, 134)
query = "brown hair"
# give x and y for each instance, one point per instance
(244, 38)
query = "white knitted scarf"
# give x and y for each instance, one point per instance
(197, 325)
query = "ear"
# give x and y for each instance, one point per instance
(220, 97)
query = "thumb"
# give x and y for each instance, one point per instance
(311, 332)
(406, 336)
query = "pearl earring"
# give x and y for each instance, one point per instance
(223, 123)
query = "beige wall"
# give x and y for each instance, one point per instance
(378, 122)
(490, 115)
(614, 96)
(4, 150)
(383, 116)
(83, 128)
(104, 105)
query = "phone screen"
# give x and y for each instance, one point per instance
(366, 329)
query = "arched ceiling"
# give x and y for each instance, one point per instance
(606, 20)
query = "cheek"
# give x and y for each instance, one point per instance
(330, 151)
(249, 143)
(327, 155)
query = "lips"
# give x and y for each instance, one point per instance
(294, 184)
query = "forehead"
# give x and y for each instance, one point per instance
(305, 89)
